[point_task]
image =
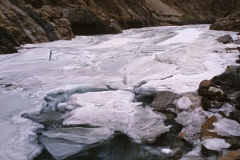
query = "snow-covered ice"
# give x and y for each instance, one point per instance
(142, 61)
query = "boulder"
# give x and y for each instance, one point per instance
(164, 100)
(204, 86)
(225, 39)
(235, 115)
(234, 141)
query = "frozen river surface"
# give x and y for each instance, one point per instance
(106, 71)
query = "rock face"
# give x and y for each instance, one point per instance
(164, 100)
(35, 21)
(225, 39)
(229, 23)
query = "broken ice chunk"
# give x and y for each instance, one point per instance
(60, 148)
(80, 134)
(184, 103)
(193, 118)
(216, 144)
(115, 110)
(100, 98)
(227, 127)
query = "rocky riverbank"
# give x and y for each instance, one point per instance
(28, 21)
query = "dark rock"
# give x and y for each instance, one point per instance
(238, 33)
(118, 147)
(171, 137)
(225, 39)
(235, 98)
(44, 155)
(234, 141)
(164, 100)
(238, 61)
(206, 104)
(235, 115)
(8, 43)
(49, 29)
(230, 22)
(209, 152)
(229, 79)
(35, 3)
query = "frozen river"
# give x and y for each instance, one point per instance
(107, 72)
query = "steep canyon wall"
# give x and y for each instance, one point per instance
(36, 21)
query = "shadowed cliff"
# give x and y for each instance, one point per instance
(36, 21)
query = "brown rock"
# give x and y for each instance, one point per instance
(163, 100)
(204, 86)
(208, 125)
(232, 155)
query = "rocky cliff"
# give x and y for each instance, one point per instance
(229, 23)
(36, 21)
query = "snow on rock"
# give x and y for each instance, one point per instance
(227, 127)
(226, 109)
(216, 144)
(80, 134)
(115, 110)
(184, 103)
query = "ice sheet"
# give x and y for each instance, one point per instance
(80, 134)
